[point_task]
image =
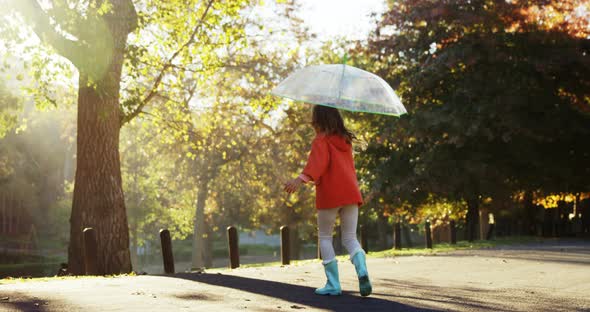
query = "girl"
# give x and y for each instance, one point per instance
(330, 167)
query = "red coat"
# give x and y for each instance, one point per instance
(331, 166)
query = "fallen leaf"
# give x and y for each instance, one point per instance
(297, 307)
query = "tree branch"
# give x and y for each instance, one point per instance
(41, 23)
(158, 80)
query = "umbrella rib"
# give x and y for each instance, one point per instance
(340, 84)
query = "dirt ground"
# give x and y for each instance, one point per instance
(549, 276)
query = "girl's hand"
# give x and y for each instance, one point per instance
(293, 185)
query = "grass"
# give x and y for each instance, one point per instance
(461, 245)
(438, 248)
(14, 280)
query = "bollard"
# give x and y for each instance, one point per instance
(364, 238)
(234, 252)
(285, 252)
(397, 236)
(167, 255)
(90, 252)
(453, 230)
(428, 235)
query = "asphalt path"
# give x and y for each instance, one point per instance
(549, 276)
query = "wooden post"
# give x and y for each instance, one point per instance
(234, 252)
(167, 255)
(428, 235)
(90, 252)
(397, 236)
(285, 252)
(364, 238)
(453, 230)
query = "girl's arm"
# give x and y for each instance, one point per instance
(303, 177)
(294, 184)
(318, 160)
(317, 164)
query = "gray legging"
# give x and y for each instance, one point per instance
(348, 221)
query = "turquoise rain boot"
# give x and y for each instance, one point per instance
(332, 287)
(360, 265)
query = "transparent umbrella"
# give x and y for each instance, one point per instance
(343, 87)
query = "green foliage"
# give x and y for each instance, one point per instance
(496, 103)
(10, 106)
(35, 188)
(219, 133)
(195, 71)
(170, 46)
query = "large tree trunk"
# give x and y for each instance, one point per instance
(198, 259)
(98, 194)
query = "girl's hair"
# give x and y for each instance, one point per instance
(328, 120)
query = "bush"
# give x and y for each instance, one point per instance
(29, 269)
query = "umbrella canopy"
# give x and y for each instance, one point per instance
(341, 86)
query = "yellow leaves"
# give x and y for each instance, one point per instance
(104, 8)
(22, 127)
(552, 201)
(191, 155)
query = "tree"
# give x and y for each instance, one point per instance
(98, 55)
(488, 94)
(220, 123)
(93, 37)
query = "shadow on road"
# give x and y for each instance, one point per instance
(298, 295)
(25, 305)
